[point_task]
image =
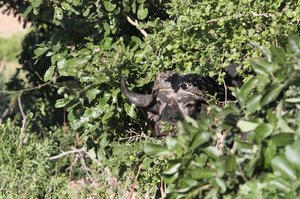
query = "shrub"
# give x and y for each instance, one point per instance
(25, 169)
(82, 48)
(245, 149)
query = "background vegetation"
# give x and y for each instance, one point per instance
(70, 103)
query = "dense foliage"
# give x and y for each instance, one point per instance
(78, 50)
(25, 169)
(245, 149)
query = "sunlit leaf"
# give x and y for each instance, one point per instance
(109, 6)
(155, 150)
(281, 165)
(142, 12)
(49, 73)
(246, 126)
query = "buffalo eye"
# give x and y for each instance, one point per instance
(190, 105)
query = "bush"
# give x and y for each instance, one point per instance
(25, 170)
(245, 149)
(203, 36)
(82, 48)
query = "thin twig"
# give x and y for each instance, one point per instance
(66, 153)
(73, 163)
(5, 113)
(127, 183)
(135, 181)
(136, 24)
(162, 188)
(24, 120)
(26, 89)
(86, 169)
(135, 137)
(225, 92)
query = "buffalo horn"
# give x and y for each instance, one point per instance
(141, 100)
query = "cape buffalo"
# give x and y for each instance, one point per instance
(175, 96)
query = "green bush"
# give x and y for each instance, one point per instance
(185, 36)
(246, 149)
(82, 48)
(25, 169)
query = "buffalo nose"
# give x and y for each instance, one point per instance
(171, 114)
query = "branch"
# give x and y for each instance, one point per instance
(66, 153)
(5, 113)
(135, 181)
(136, 24)
(22, 134)
(26, 89)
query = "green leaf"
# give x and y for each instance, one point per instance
(253, 103)
(262, 131)
(86, 12)
(281, 185)
(136, 40)
(281, 165)
(294, 44)
(107, 43)
(92, 93)
(130, 110)
(283, 139)
(185, 184)
(142, 12)
(61, 64)
(292, 153)
(283, 125)
(58, 13)
(81, 61)
(272, 93)
(36, 3)
(106, 28)
(155, 150)
(245, 90)
(220, 182)
(202, 173)
(278, 55)
(109, 6)
(293, 100)
(212, 152)
(171, 143)
(172, 169)
(246, 126)
(269, 154)
(39, 51)
(27, 11)
(49, 73)
(65, 6)
(259, 66)
(230, 163)
(199, 138)
(71, 116)
(61, 102)
(108, 114)
(169, 179)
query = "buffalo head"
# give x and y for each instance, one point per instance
(174, 97)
